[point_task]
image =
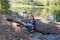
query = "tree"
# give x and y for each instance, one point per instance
(0, 6)
(5, 5)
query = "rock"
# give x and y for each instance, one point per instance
(52, 37)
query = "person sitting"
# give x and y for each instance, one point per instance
(33, 21)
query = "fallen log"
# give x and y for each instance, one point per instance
(44, 28)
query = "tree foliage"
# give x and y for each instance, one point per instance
(44, 7)
(5, 5)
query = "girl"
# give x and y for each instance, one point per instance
(33, 21)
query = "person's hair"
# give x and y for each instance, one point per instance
(32, 16)
(25, 12)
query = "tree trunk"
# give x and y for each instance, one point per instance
(41, 27)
